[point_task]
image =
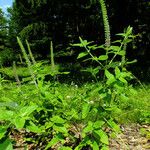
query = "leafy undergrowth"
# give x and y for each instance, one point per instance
(38, 113)
(61, 116)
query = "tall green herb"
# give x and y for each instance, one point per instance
(27, 60)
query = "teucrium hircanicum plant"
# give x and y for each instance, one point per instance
(112, 62)
(28, 62)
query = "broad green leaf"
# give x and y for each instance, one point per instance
(110, 81)
(114, 126)
(123, 80)
(48, 124)
(122, 53)
(85, 110)
(103, 136)
(104, 147)
(82, 54)
(33, 128)
(6, 145)
(61, 129)
(110, 77)
(57, 119)
(98, 124)
(3, 130)
(108, 74)
(115, 48)
(27, 110)
(19, 122)
(95, 146)
(103, 57)
(88, 128)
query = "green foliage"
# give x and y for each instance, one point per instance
(61, 116)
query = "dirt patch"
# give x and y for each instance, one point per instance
(133, 137)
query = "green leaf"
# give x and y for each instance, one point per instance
(77, 44)
(122, 53)
(114, 126)
(110, 77)
(104, 147)
(98, 124)
(53, 142)
(95, 146)
(27, 110)
(61, 129)
(83, 54)
(6, 114)
(103, 57)
(19, 122)
(108, 74)
(6, 145)
(84, 42)
(115, 48)
(57, 119)
(117, 72)
(88, 128)
(123, 80)
(65, 148)
(33, 128)
(3, 130)
(85, 110)
(103, 136)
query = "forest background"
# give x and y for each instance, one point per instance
(64, 21)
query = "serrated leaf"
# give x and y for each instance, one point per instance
(57, 119)
(82, 54)
(103, 136)
(85, 110)
(103, 57)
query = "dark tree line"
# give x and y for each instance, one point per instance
(63, 21)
